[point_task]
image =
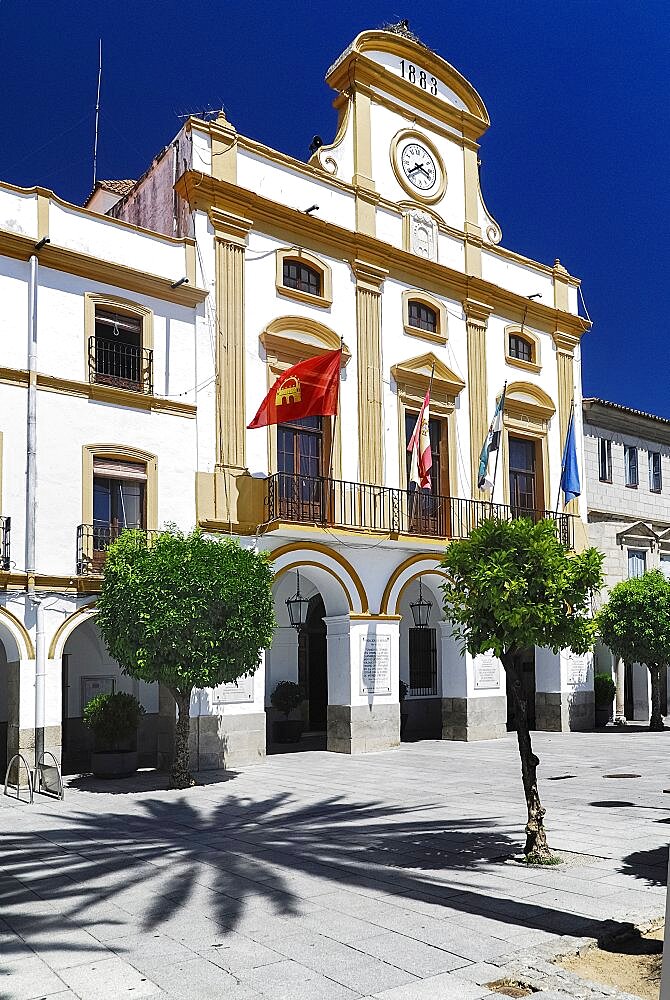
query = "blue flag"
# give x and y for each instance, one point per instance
(570, 483)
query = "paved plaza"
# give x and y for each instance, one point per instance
(317, 876)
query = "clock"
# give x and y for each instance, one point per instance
(417, 166)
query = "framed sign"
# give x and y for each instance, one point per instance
(487, 672)
(91, 687)
(375, 664)
(235, 692)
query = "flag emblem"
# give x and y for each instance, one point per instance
(289, 391)
(419, 445)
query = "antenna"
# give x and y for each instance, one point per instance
(97, 115)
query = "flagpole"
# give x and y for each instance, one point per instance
(567, 435)
(495, 468)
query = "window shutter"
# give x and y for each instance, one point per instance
(113, 468)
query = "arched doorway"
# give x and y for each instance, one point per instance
(15, 645)
(421, 660)
(89, 670)
(313, 666)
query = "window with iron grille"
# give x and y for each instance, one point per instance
(605, 460)
(421, 316)
(116, 358)
(630, 466)
(301, 277)
(422, 661)
(520, 348)
(655, 477)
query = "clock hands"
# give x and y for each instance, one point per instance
(418, 166)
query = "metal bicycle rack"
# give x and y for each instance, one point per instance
(20, 757)
(40, 778)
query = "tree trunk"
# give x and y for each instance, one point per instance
(180, 776)
(536, 838)
(656, 720)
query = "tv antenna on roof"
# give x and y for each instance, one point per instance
(97, 114)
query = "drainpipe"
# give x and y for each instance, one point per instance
(31, 503)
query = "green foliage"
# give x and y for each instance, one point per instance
(512, 585)
(286, 696)
(540, 859)
(185, 610)
(114, 719)
(604, 689)
(635, 621)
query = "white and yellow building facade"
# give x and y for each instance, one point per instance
(381, 243)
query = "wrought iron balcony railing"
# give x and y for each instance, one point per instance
(5, 532)
(124, 366)
(317, 500)
(93, 540)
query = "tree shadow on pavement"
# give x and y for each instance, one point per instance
(191, 867)
(650, 866)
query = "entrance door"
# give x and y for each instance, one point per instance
(523, 485)
(300, 463)
(428, 510)
(526, 658)
(313, 665)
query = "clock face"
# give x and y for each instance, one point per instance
(418, 166)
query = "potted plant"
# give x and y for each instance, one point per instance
(604, 689)
(402, 693)
(114, 719)
(285, 698)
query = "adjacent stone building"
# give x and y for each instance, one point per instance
(627, 463)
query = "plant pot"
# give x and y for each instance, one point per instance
(287, 730)
(114, 763)
(603, 715)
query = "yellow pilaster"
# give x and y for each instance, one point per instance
(230, 233)
(369, 281)
(477, 317)
(565, 364)
(224, 150)
(366, 196)
(473, 232)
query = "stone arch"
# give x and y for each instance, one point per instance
(67, 627)
(20, 645)
(333, 575)
(421, 564)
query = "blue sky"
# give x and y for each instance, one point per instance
(575, 163)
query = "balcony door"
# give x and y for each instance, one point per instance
(428, 510)
(116, 351)
(301, 450)
(525, 485)
(119, 501)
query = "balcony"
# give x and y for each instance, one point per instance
(120, 365)
(5, 531)
(93, 541)
(316, 500)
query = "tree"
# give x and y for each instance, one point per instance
(509, 586)
(188, 612)
(635, 624)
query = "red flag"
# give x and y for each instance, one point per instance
(419, 445)
(308, 389)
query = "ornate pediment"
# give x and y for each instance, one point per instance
(527, 399)
(415, 374)
(639, 532)
(291, 339)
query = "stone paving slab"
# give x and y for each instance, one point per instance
(318, 876)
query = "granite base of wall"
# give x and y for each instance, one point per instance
(424, 718)
(471, 719)
(363, 728)
(227, 741)
(564, 711)
(23, 741)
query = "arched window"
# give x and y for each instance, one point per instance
(421, 316)
(301, 277)
(520, 348)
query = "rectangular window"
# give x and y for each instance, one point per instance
(630, 466)
(655, 478)
(605, 460)
(522, 474)
(116, 357)
(637, 563)
(665, 566)
(422, 661)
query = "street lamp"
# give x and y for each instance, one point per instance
(421, 609)
(297, 608)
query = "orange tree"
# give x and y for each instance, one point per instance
(512, 585)
(186, 611)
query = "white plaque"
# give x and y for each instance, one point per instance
(375, 664)
(91, 687)
(487, 672)
(577, 669)
(241, 690)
